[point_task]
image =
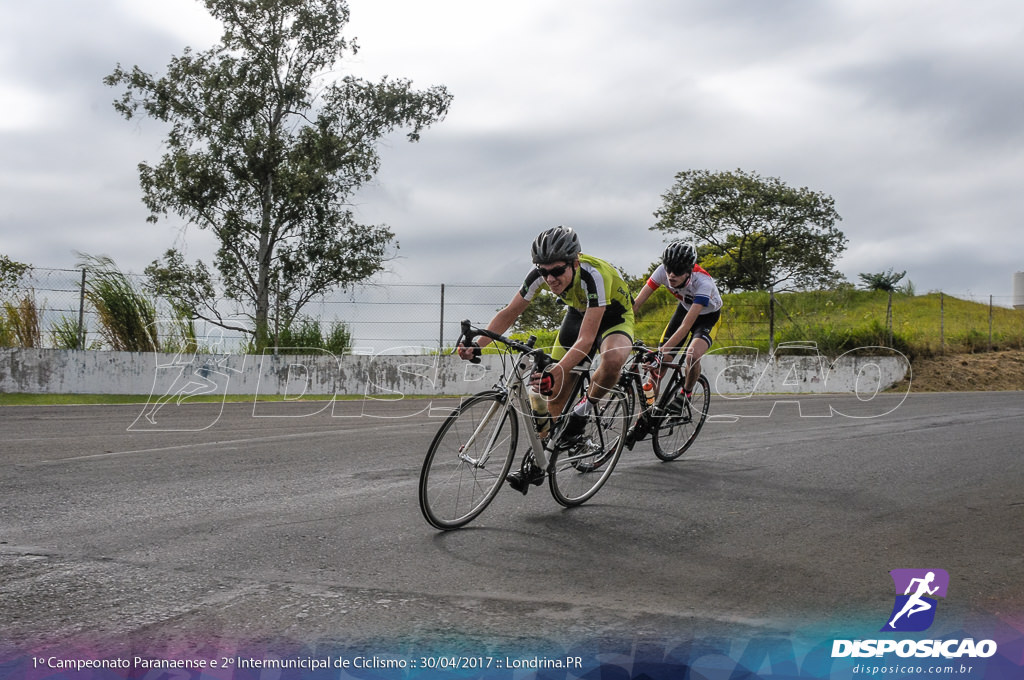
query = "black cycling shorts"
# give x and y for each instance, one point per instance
(702, 327)
(569, 332)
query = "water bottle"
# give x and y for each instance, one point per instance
(651, 367)
(649, 392)
(541, 416)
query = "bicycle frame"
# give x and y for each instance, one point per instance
(456, 481)
(633, 372)
(524, 365)
(653, 419)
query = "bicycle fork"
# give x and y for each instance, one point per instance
(480, 462)
(484, 429)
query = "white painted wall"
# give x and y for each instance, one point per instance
(795, 369)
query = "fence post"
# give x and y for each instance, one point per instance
(81, 313)
(888, 319)
(989, 323)
(440, 336)
(771, 320)
(942, 323)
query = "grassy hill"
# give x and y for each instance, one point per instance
(846, 319)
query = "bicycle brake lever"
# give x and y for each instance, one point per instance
(467, 339)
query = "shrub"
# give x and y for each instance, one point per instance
(64, 334)
(22, 322)
(306, 335)
(833, 340)
(127, 317)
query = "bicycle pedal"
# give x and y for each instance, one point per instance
(521, 480)
(639, 431)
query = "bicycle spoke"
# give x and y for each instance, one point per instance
(467, 461)
(579, 473)
(677, 428)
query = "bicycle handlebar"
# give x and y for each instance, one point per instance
(470, 333)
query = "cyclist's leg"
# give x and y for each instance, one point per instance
(595, 434)
(615, 342)
(615, 348)
(567, 334)
(699, 345)
(673, 325)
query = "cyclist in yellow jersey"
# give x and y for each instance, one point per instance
(599, 318)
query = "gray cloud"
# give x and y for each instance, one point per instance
(577, 113)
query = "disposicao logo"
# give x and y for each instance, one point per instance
(914, 611)
(916, 589)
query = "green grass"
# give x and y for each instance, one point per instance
(839, 321)
(845, 319)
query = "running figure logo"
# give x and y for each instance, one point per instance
(914, 609)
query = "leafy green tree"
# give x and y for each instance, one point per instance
(885, 281)
(737, 265)
(11, 273)
(882, 281)
(758, 233)
(13, 304)
(265, 149)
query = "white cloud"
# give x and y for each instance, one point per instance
(186, 21)
(23, 108)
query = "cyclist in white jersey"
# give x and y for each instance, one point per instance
(700, 306)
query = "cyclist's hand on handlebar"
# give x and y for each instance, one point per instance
(653, 360)
(468, 352)
(545, 382)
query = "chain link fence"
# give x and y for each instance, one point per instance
(50, 309)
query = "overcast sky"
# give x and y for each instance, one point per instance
(909, 114)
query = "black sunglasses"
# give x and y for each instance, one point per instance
(554, 271)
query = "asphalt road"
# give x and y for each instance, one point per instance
(221, 526)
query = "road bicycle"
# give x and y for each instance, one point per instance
(672, 420)
(474, 449)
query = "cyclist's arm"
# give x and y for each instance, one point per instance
(501, 322)
(589, 327)
(641, 298)
(674, 343)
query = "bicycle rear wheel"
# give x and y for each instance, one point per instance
(577, 474)
(676, 430)
(467, 461)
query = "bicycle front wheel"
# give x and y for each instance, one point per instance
(468, 460)
(577, 474)
(676, 429)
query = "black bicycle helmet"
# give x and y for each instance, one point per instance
(556, 244)
(679, 257)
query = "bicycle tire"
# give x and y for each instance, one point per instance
(576, 475)
(455, 485)
(675, 433)
(637, 408)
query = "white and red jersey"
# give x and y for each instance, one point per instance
(699, 289)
